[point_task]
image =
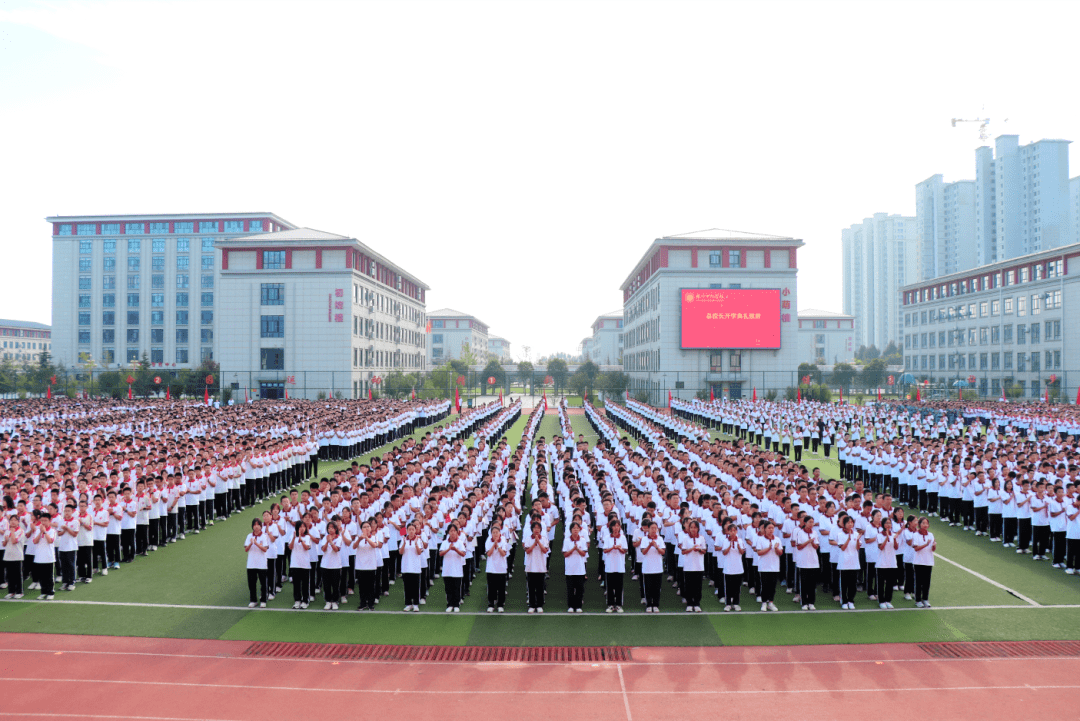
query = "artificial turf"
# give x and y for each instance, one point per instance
(197, 589)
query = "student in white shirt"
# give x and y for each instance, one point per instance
(924, 545)
(12, 541)
(614, 548)
(536, 553)
(367, 545)
(651, 550)
(888, 544)
(300, 564)
(43, 538)
(769, 550)
(847, 542)
(732, 550)
(256, 545)
(693, 547)
(413, 555)
(330, 565)
(453, 551)
(496, 550)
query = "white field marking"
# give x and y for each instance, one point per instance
(991, 581)
(602, 664)
(869, 609)
(545, 692)
(82, 715)
(625, 698)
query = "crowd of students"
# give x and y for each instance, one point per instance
(89, 485)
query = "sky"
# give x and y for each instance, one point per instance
(517, 157)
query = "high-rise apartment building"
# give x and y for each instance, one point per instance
(945, 227)
(878, 255)
(125, 286)
(1022, 198)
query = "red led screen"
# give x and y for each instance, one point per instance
(730, 318)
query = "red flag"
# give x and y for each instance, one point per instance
(129, 393)
(457, 400)
(755, 394)
(544, 399)
(286, 394)
(798, 394)
(1077, 396)
(246, 399)
(918, 395)
(414, 394)
(500, 397)
(1047, 394)
(168, 396)
(669, 399)
(369, 393)
(48, 392)
(712, 394)
(841, 394)
(206, 395)
(879, 395)
(628, 394)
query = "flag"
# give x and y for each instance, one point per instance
(414, 394)
(712, 394)
(628, 394)
(206, 395)
(841, 394)
(1047, 394)
(798, 394)
(1077, 396)
(918, 395)
(1004, 401)
(129, 392)
(755, 394)
(879, 395)
(669, 399)
(48, 392)
(246, 399)
(544, 399)
(500, 397)
(286, 394)
(168, 396)
(457, 401)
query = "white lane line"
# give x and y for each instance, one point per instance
(625, 698)
(991, 581)
(838, 661)
(545, 692)
(98, 716)
(718, 612)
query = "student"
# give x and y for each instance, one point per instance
(888, 545)
(651, 551)
(330, 565)
(84, 559)
(129, 508)
(453, 551)
(43, 539)
(112, 537)
(496, 551)
(693, 549)
(614, 548)
(848, 542)
(255, 545)
(414, 553)
(300, 563)
(732, 550)
(536, 551)
(769, 551)
(923, 545)
(67, 546)
(367, 548)
(13, 541)
(101, 526)
(805, 544)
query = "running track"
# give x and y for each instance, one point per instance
(84, 677)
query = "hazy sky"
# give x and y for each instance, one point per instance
(518, 157)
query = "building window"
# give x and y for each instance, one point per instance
(157, 355)
(65, 229)
(133, 282)
(820, 324)
(181, 317)
(108, 356)
(734, 257)
(108, 335)
(273, 259)
(134, 245)
(273, 326)
(157, 264)
(438, 323)
(157, 317)
(157, 281)
(272, 359)
(157, 245)
(436, 338)
(84, 282)
(272, 294)
(157, 335)
(84, 265)
(207, 299)
(183, 245)
(130, 228)
(183, 262)
(714, 259)
(716, 361)
(133, 317)
(84, 301)
(207, 317)
(186, 226)
(1008, 360)
(181, 355)
(84, 318)
(735, 361)
(181, 335)
(157, 300)
(182, 281)
(133, 335)
(108, 300)
(86, 229)
(1035, 361)
(207, 262)
(1034, 333)
(208, 226)
(206, 335)
(234, 226)
(108, 264)
(208, 281)
(108, 317)
(206, 354)
(132, 355)
(181, 300)
(995, 361)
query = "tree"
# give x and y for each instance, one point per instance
(584, 379)
(809, 369)
(873, 373)
(842, 375)
(614, 383)
(491, 370)
(871, 353)
(468, 356)
(525, 373)
(556, 368)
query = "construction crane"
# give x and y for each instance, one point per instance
(984, 133)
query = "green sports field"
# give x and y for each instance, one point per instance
(197, 588)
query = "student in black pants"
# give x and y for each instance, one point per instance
(255, 545)
(300, 564)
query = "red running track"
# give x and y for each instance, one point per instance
(89, 677)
